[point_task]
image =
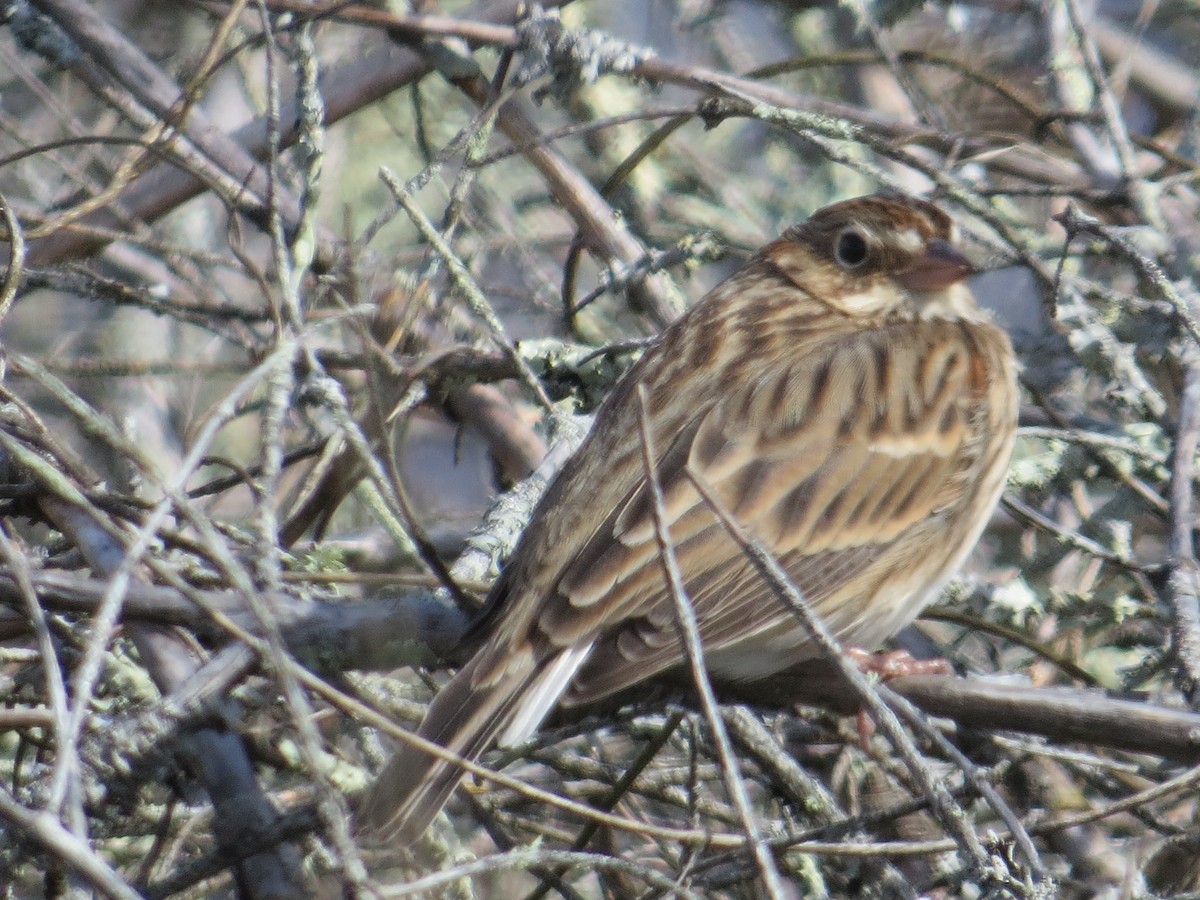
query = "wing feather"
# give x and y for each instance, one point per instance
(846, 486)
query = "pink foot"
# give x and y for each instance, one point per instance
(897, 664)
(893, 664)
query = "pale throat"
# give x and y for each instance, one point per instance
(954, 302)
(886, 297)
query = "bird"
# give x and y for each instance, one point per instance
(841, 393)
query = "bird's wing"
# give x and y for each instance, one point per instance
(835, 462)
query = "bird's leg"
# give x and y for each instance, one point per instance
(896, 664)
(889, 665)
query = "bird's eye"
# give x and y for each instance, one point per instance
(851, 249)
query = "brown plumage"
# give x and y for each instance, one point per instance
(841, 393)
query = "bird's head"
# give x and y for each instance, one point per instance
(879, 256)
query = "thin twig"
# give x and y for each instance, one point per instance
(1183, 586)
(689, 629)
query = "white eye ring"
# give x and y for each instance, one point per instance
(850, 248)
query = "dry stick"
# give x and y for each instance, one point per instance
(224, 768)
(697, 78)
(18, 565)
(950, 814)
(1180, 784)
(297, 824)
(386, 633)
(468, 287)
(1142, 199)
(291, 263)
(19, 571)
(692, 837)
(239, 657)
(819, 806)
(1183, 586)
(1066, 74)
(516, 447)
(920, 722)
(19, 719)
(615, 793)
(479, 33)
(896, 698)
(809, 794)
(922, 104)
(521, 860)
(1076, 222)
(446, 379)
(1164, 78)
(44, 830)
(1016, 637)
(1140, 489)
(219, 757)
(1027, 515)
(328, 392)
(16, 258)
(364, 80)
(604, 232)
(652, 69)
(483, 310)
(689, 630)
(551, 877)
(332, 806)
(358, 83)
(689, 837)
(200, 141)
(1185, 781)
(1060, 714)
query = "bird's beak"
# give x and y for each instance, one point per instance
(937, 269)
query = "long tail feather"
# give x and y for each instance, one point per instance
(465, 718)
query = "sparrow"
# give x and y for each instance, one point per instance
(842, 394)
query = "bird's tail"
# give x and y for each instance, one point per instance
(466, 717)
